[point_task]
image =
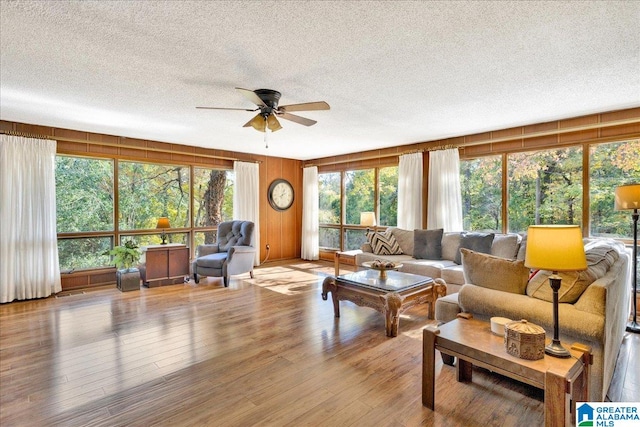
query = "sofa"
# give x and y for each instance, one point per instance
(416, 259)
(593, 309)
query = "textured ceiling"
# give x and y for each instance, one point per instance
(393, 72)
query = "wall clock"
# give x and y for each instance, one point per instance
(280, 194)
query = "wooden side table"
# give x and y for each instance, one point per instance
(164, 264)
(346, 257)
(472, 342)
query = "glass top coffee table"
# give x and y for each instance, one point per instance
(390, 296)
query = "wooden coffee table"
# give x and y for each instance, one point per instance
(564, 381)
(390, 296)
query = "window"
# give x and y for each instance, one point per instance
(77, 253)
(212, 201)
(388, 196)
(84, 203)
(611, 165)
(150, 191)
(354, 238)
(545, 187)
(84, 194)
(342, 231)
(481, 185)
(359, 193)
(329, 193)
(329, 209)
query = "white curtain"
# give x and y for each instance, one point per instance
(28, 242)
(444, 207)
(246, 198)
(410, 191)
(310, 209)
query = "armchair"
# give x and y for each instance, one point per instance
(232, 253)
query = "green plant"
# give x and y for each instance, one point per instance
(125, 256)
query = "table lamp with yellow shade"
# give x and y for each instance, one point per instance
(163, 223)
(555, 248)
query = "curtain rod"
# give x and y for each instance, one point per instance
(560, 131)
(25, 135)
(112, 144)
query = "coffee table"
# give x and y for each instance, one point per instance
(565, 381)
(390, 296)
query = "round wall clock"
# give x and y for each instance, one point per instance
(280, 194)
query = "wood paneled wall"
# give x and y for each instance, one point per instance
(281, 230)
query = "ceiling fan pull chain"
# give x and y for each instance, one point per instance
(266, 133)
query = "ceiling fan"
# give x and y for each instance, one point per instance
(269, 110)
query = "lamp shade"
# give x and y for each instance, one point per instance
(555, 248)
(260, 124)
(628, 197)
(368, 219)
(163, 222)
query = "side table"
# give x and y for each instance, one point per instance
(164, 264)
(564, 381)
(346, 257)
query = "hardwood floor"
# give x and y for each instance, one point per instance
(265, 351)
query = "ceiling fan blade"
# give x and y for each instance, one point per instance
(251, 96)
(223, 108)
(307, 106)
(273, 123)
(298, 119)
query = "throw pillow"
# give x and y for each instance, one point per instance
(404, 239)
(477, 242)
(600, 257)
(384, 243)
(427, 244)
(494, 272)
(451, 244)
(505, 246)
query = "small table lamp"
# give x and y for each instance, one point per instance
(368, 219)
(628, 197)
(163, 223)
(555, 248)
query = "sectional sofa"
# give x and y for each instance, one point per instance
(448, 265)
(594, 304)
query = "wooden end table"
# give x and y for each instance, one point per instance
(349, 257)
(473, 343)
(390, 296)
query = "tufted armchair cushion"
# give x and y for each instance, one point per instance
(234, 233)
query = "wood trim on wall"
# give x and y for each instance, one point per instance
(594, 128)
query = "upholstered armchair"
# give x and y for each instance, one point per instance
(233, 253)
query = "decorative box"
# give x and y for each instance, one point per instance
(524, 340)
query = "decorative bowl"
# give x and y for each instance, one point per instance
(381, 266)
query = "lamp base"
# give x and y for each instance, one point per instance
(633, 326)
(556, 349)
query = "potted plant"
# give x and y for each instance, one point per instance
(125, 257)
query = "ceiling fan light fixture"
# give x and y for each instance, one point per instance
(273, 123)
(258, 123)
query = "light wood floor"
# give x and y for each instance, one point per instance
(266, 351)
